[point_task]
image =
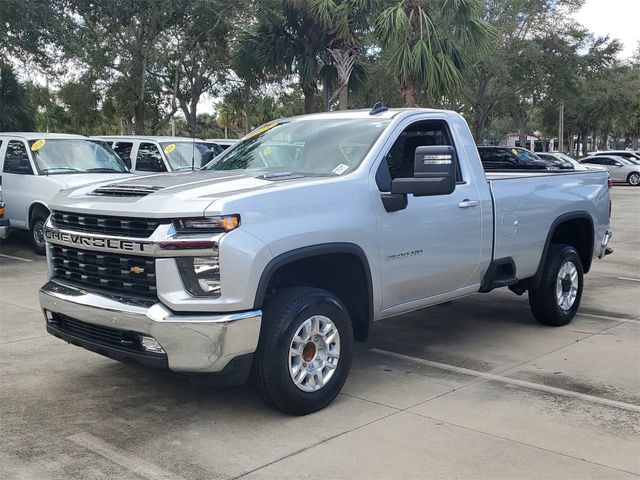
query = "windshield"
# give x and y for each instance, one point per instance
(187, 155)
(307, 147)
(71, 155)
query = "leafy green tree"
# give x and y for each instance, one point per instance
(15, 112)
(286, 40)
(430, 42)
(119, 36)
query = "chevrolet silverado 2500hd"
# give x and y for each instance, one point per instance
(285, 248)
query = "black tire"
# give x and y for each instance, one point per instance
(282, 317)
(634, 179)
(543, 300)
(36, 228)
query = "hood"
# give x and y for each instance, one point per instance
(164, 195)
(72, 180)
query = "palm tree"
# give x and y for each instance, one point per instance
(429, 42)
(286, 40)
(344, 23)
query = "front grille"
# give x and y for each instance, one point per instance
(96, 333)
(121, 274)
(118, 226)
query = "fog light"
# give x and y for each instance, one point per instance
(150, 344)
(49, 316)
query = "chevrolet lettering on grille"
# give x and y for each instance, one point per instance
(87, 241)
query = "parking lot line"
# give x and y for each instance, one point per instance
(15, 258)
(511, 381)
(137, 465)
(630, 279)
(607, 317)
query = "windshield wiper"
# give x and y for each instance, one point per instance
(45, 170)
(279, 175)
(104, 170)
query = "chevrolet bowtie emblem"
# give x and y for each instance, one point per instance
(137, 270)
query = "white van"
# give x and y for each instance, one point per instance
(153, 154)
(36, 166)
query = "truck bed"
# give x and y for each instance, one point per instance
(524, 211)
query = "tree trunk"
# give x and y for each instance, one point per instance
(193, 117)
(409, 94)
(309, 100)
(342, 99)
(140, 80)
(571, 144)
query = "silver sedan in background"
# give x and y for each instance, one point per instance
(620, 169)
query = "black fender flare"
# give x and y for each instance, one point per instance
(313, 251)
(578, 215)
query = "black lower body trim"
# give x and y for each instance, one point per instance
(236, 372)
(153, 360)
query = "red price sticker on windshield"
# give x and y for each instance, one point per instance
(37, 145)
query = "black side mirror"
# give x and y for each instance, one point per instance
(434, 173)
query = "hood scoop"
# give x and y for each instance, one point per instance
(124, 190)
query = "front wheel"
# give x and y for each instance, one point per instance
(305, 350)
(38, 219)
(557, 299)
(634, 179)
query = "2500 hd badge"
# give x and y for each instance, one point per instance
(75, 239)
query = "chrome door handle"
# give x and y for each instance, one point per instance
(466, 203)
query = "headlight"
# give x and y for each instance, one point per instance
(200, 275)
(220, 223)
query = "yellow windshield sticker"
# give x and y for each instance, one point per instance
(514, 151)
(37, 145)
(260, 130)
(170, 148)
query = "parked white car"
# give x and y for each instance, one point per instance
(147, 154)
(634, 157)
(620, 169)
(36, 166)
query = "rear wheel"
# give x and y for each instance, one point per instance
(305, 350)
(634, 179)
(557, 299)
(36, 227)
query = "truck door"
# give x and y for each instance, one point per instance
(433, 246)
(16, 170)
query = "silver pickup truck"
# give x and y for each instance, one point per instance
(284, 249)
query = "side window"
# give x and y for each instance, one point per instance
(16, 159)
(123, 149)
(149, 159)
(594, 161)
(401, 156)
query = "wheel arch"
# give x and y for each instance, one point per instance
(575, 229)
(344, 271)
(37, 205)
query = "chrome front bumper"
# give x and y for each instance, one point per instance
(197, 343)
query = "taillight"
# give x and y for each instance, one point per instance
(609, 183)
(1, 209)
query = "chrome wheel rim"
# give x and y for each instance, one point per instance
(314, 353)
(38, 233)
(567, 286)
(634, 179)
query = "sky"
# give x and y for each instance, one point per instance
(619, 19)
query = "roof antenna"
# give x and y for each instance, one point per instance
(378, 108)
